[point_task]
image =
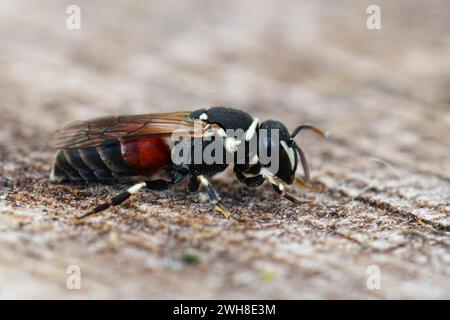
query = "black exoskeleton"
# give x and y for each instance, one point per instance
(134, 146)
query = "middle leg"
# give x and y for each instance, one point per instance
(214, 198)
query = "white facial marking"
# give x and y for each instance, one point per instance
(290, 153)
(203, 116)
(251, 130)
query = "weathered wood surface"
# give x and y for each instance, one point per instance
(385, 171)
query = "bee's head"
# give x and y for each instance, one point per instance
(275, 138)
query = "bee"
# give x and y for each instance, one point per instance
(140, 149)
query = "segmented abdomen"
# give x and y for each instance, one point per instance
(111, 160)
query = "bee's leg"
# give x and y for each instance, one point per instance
(248, 168)
(253, 169)
(158, 185)
(194, 186)
(116, 200)
(196, 182)
(281, 189)
(251, 182)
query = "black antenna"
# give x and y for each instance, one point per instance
(304, 162)
(307, 126)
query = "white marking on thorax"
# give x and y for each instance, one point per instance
(251, 130)
(231, 144)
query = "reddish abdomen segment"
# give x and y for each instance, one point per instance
(113, 159)
(146, 155)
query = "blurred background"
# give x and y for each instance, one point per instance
(296, 61)
(382, 94)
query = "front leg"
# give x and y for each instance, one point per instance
(281, 189)
(251, 182)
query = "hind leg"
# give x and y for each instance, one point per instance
(175, 175)
(157, 185)
(116, 200)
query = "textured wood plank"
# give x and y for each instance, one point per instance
(382, 178)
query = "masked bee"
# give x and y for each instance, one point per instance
(140, 149)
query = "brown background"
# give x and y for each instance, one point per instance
(383, 95)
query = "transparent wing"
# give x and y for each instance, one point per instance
(84, 134)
